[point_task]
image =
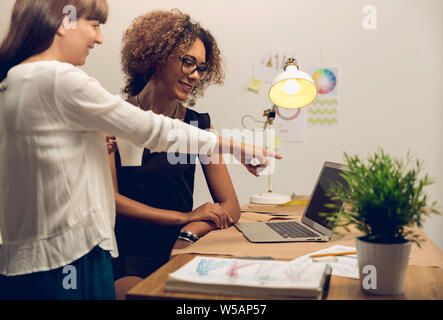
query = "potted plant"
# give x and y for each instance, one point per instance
(384, 200)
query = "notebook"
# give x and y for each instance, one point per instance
(251, 278)
(313, 226)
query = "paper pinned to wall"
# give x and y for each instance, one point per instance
(324, 111)
(255, 85)
(269, 64)
(290, 125)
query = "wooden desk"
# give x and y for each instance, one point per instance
(422, 283)
(231, 242)
(424, 280)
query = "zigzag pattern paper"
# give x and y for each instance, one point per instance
(319, 121)
(324, 111)
(322, 114)
(327, 102)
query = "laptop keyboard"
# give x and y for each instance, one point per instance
(291, 229)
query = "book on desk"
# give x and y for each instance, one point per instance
(250, 278)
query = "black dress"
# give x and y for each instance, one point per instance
(143, 247)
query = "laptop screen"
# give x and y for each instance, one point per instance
(319, 198)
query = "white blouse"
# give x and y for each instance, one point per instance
(56, 195)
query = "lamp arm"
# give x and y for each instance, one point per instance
(271, 126)
(270, 116)
(250, 117)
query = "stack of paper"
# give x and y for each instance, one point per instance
(342, 266)
(251, 278)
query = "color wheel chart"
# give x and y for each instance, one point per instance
(324, 112)
(325, 81)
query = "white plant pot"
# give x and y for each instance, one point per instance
(382, 267)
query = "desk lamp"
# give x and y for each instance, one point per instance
(291, 89)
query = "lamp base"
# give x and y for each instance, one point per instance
(269, 198)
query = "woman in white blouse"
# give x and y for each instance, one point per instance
(57, 208)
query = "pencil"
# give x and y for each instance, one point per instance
(333, 254)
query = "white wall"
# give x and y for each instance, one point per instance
(390, 79)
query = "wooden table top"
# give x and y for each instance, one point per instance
(424, 277)
(422, 283)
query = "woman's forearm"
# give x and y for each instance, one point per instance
(233, 209)
(201, 228)
(134, 210)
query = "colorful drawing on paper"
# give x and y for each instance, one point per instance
(206, 266)
(325, 81)
(232, 272)
(287, 117)
(324, 111)
(264, 273)
(268, 65)
(290, 125)
(293, 272)
(235, 270)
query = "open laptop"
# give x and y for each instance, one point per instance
(313, 226)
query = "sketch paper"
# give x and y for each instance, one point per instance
(290, 125)
(268, 65)
(344, 266)
(251, 273)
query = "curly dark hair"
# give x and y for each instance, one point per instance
(156, 36)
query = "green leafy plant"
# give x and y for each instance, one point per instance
(384, 198)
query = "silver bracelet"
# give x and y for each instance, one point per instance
(188, 235)
(185, 239)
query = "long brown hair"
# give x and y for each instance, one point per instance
(34, 24)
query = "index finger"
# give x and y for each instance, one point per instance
(269, 153)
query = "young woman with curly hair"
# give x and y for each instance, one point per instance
(168, 59)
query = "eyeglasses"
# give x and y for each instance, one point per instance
(189, 66)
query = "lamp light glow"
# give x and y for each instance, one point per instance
(283, 93)
(291, 87)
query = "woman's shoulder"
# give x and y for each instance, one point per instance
(45, 65)
(203, 119)
(73, 79)
(44, 74)
(69, 69)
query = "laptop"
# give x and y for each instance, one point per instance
(313, 226)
